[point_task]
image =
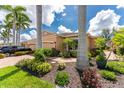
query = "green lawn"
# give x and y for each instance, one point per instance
(13, 77)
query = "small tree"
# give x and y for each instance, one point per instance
(118, 41)
(101, 42)
(69, 43)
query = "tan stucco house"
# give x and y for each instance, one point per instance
(53, 40)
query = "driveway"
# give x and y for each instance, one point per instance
(10, 61)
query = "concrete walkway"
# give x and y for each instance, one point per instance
(60, 59)
(10, 61)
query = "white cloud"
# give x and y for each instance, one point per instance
(76, 31)
(63, 29)
(120, 6)
(25, 37)
(48, 13)
(64, 14)
(105, 19)
(3, 13)
(33, 34)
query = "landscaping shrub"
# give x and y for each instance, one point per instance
(2, 55)
(108, 75)
(73, 53)
(46, 51)
(94, 52)
(89, 56)
(65, 54)
(90, 78)
(62, 78)
(39, 55)
(61, 66)
(119, 51)
(44, 68)
(24, 63)
(116, 67)
(33, 65)
(55, 52)
(19, 53)
(101, 61)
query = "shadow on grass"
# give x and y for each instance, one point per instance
(9, 74)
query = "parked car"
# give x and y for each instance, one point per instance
(13, 49)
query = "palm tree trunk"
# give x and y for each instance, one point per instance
(82, 54)
(8, 38)
(18, 37)
(38, 27)
(14, 31)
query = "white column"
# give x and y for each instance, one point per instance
(38, 26)
(82, 53)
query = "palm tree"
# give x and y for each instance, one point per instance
(23, 22)
(13, 13)
(7, 26)
(82, 56)
(38, 27)
(4, 36)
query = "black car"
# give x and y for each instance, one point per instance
(13, 49)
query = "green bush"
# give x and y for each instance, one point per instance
(46, 51)
(24, 63)
(101, 61)
(89, 56)
(119, 51)
(55, 53)
(39, 55)
(108, 75)
(2, 55)
(116, 67)
(33, 65)
(65, 54)
(61, 66)
(94, 52)
(73, 53)
(19, 53)
(44, 68)
(62, 78)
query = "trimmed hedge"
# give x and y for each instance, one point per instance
(108, 75)
(19, 53)
(2, 55)
(116, 67)
(65, 54)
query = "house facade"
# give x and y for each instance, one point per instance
(53, 40)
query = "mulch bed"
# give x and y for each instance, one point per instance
(75, 81)
(70, 68)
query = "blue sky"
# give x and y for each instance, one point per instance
(64, 19)
(71, 18)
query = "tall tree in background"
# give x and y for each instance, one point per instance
(13, 13)
(23, 22)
